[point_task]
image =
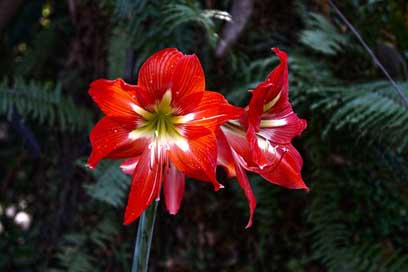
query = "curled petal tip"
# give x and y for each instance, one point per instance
(127, 221)
(303, 187)
(129, 218)
(248, 225)
(218, 186)
(303, 124)
(281, 54)
(88, 165)
(276, 50)
(174, 213)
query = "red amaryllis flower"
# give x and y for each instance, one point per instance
(260, 141)
(166, 126)
(270, 114)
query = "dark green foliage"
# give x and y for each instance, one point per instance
(176, 26)
(112, 184)
(74, 254)
(344, 250)
(369, 109)
(45, 106)
(322, 36)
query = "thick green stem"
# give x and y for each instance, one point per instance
(144, 239)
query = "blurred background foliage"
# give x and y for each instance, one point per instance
(55, 215)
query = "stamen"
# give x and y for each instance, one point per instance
(167, 167)
(163, 160)
(152, 147)
(159, 173)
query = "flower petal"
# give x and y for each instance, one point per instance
(197, 158)
(114, 97)
(257, 155)
(156, 74)
(246, 187)
(187, 104)
(174, 184)
(188, 79)
(272, 93)
(269, 97)
(214, 110)
(145, 185)
(286, 173)
(224, 156)
(128, 166)
(193, 132)
(231, 156)
(279, 79)
(237, 140)
(282, 127)
(110, 139)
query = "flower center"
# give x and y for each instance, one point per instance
(161, 125)
(161, 122)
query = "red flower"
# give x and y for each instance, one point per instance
(166, 126)
(270, 115)
(261, 140)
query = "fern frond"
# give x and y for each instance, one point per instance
(370, 109)
(138, 16)
(320, 35)
(117, 54)
(334, 244)
(74, 255)
(74, 260)
(37, 102)
(178, 14)
(103, 233)
(126, 8)
(111, 185)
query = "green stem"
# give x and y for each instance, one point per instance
(144, 239)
